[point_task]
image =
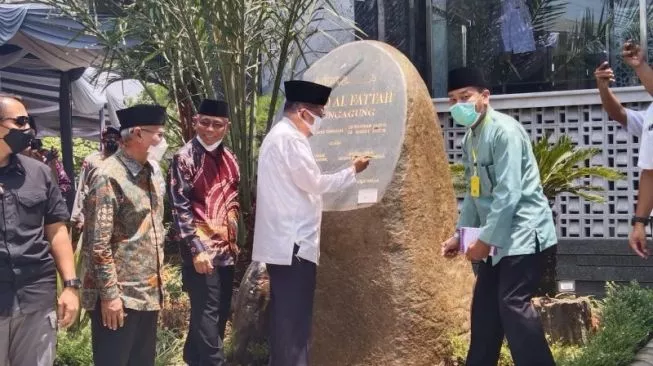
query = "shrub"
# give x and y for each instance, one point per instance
(460, 345)
(74, 348)
(176, 305)
(627, 318)
(169, 348)
(81, 149)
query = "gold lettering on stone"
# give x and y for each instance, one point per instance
(369, 153)
(351, 113)
(337, 102)
(362, 99)
(331, 131)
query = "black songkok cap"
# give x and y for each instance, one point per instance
(214, 108)
(142, 115)
(465, 77)
(307, 92)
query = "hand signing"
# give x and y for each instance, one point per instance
(361, 163)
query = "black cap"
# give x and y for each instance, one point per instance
(307, 92)
(465, 77)
(214, 108)
(142, 115)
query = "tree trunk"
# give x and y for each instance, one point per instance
(568, 321)
(186, 118)
(250, 317)
(245, 256)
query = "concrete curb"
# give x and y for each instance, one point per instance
(645, 356)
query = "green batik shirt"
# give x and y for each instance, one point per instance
(123, 234)
(511, 210)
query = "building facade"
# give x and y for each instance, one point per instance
(539, 58)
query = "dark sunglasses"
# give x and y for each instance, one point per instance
(20, 121)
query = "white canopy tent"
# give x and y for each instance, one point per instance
(92, 98)
(47, 59)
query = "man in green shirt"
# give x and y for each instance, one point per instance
(506, 201)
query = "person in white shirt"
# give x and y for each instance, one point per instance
(288, 215)
(630, 119)
(640, 124)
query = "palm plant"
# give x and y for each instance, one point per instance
(208, 48)
(563, 169)
(545, 13)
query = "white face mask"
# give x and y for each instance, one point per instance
(157, 151)
(209, 147)
(317, 121)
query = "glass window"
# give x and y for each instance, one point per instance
(624, 26)
(532, 45)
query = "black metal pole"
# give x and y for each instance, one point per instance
(66, 131)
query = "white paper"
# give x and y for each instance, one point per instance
(469, 235)
(368, 195)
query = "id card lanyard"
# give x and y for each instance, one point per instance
(475, 181)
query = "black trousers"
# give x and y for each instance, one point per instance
(210, 302)
(502, 306)
(292, 290)
(132, 345)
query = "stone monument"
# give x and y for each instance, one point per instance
(384, 294)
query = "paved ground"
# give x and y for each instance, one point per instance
(644, 356)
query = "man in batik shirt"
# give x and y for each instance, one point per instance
(123, 249)
(203, 188)
(109, 139)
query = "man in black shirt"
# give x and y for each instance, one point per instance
(34, 244)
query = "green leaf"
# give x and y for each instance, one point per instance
(563, 166)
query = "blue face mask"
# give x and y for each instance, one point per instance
(464, 114)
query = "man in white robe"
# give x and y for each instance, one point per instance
(288, 215)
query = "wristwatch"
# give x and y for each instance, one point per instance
(642, 220)
(74, 283)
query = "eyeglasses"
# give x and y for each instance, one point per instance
(20, 121)
(157, 133)
(315, 113)
(216, 125)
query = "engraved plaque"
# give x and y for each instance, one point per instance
(365, 116)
